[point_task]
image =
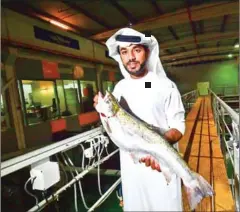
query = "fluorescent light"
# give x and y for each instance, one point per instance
(236, 45)
(230, 55)
(56, 23)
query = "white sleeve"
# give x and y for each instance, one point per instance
(175, 111)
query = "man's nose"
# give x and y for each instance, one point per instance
(131, 56)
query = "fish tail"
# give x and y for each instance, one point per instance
(199, 189)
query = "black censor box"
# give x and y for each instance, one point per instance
(147, 84)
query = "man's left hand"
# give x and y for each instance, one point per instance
(150, 161)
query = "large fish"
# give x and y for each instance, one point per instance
(117, 123)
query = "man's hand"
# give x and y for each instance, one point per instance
(149, 161)
(172, 135)
(95, 99)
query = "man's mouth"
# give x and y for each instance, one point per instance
(133, 65)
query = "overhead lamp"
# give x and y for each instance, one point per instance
(230, 55)
(56, 23)
(236, 45)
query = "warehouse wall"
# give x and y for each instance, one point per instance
(218, 74)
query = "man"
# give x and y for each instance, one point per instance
(148, 94)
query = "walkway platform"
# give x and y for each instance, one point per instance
(200, 147)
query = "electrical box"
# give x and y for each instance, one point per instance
(45, 174)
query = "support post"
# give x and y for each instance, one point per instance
(15, 103)
(99, 68)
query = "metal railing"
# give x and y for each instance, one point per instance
(227, 123)
(189, 99)
(225, 90)
(94, 151)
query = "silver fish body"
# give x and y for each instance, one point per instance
(118, 122)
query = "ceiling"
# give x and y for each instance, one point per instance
(188, 32)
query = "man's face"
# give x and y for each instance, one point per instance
(133, 58)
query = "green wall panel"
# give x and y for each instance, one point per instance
(217, 74)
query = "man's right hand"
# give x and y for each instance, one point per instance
(95, 99)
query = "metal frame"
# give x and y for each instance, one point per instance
(12, 165)
(188, 99)
(221, 110)
(97, 141)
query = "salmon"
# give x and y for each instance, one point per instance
(117, 122)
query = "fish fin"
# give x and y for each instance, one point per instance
(107, 127)
(198, 190)
(106, 124)
(134, 157)
(166, 173)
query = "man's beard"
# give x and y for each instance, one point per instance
(139, 72)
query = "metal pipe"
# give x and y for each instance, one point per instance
(22, 161)
(42, 204)
(232, 113)
(188, 93)
(105, 195)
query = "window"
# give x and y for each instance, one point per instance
(88, 91)
(69, 97)
(4, 115)
(40, 101)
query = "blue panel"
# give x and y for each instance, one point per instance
(56, 38)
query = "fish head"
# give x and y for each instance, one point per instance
(107, 105)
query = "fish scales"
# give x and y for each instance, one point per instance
(152, 143)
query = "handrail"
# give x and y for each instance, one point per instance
(188, 93)
(98, 143)
(231, 145)
(27, 159)
(232, 113)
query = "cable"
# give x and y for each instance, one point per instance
(75, 189)
(79, 182)
(62, 166)
(29, 193)
(99, 155)
(83, 157)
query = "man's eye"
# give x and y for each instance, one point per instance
(124, 52)
(138, 50)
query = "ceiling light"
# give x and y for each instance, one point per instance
(230, 55)
(236, 45)
(56, 23)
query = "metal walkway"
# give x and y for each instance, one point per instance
(201, 149)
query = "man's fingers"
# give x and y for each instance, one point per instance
(153, 163)
(158, 167)
(147, 161)
(95, 99)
